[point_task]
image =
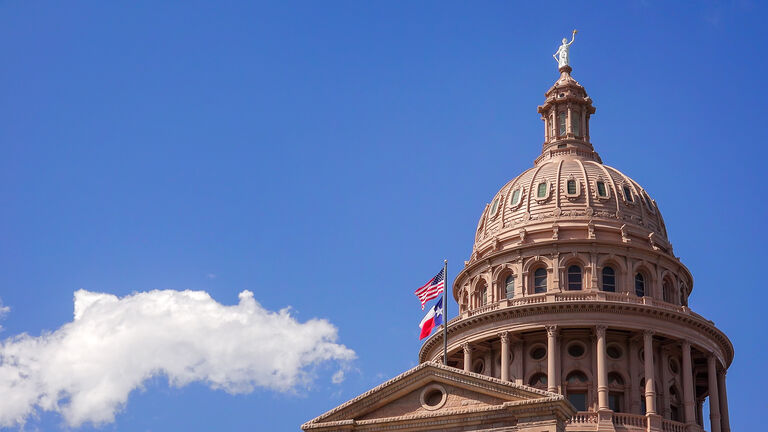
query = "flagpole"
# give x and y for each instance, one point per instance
(445, 314)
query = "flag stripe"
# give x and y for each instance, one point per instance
(431, 289)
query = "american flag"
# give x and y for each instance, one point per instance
(431, 289)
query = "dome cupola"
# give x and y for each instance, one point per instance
(566, 113)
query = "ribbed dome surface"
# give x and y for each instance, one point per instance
(541, 194)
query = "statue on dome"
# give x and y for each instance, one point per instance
(562, 53)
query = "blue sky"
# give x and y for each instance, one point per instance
(326, 156)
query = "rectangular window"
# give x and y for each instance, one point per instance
(515, 197)
(601, 191)
(571, 187)
(627, 194)
(561, 122)
(542, 192)
(615, 402)
(576, 123)
(578, 400)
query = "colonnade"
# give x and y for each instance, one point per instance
(718, 400)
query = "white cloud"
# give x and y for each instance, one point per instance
(86, 369)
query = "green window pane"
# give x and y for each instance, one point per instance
(542, 192)
(561, 123)
(627, 194)
(601, 189)
(571, 187)
(494, 206)
(576, 123)
(515, 197)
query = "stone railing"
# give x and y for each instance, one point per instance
(672, 426)
(583, 417)
(574, 296)
(630, 421)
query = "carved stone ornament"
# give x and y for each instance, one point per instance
(555, 232)
(624, 234)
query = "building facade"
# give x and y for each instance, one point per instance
(572, 305)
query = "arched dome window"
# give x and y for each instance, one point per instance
(539, 381)
(540, 281)
(483, 296)
(509, 286)
(668, 291)
(574, 278)
(609, 279)
(639, 285)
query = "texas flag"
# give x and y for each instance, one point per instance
(433, 319)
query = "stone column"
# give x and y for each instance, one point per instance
(650, 391)
(504, 356)
(552, 352)
(467, 356)
(714, 400)
(725, 422)
(688, 391)
(602, 371)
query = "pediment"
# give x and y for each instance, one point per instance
(431, 390)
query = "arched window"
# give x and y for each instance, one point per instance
(574, 278)
(540, 281)
(639, 285)
(576, 377)
(509, 286)
(615, 392)
(576, 387)
(538, 380)
(668, 291)
(609, 279)
(483, 296)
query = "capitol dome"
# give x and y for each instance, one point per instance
(572, 287)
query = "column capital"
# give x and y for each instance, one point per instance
(686, 344)
(722, 372)
(466, 347)
(504, 336)
(648, 333)
(600, 330)
(552, 330)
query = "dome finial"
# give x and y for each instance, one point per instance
(561, 55)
